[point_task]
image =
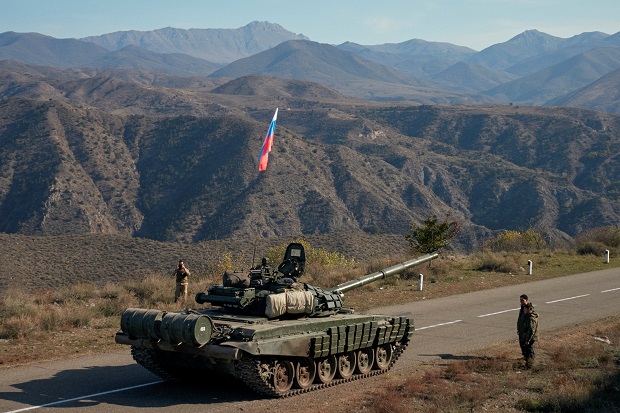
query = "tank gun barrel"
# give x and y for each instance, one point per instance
(384, 273)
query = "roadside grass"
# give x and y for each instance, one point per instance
(81, 318)
(574, 373)
(576, 370)
(457, 274)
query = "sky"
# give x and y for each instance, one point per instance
(473, 23)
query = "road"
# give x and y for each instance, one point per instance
(445, 327)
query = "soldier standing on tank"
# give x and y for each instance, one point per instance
(182, 280)
(527, 327)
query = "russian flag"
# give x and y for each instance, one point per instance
(263, 158)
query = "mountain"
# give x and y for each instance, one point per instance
(525, 45)
(472, 78)
(142, 143)
(344, 71)
(531, 68)
(114, 90)
(566, 49)
(603, 95)
(39, 50)
(558, 80)
(180, 164)
(221, 46)
(138, 76)
(301, 59)
(415, 57)
(133, 57)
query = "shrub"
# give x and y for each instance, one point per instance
(515, 241)
(609, 236)
(494, 262)
(224, 262)
(589, 247)
(595, 241)
(15, 304)
(19, 326)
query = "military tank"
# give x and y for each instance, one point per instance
(279, 336)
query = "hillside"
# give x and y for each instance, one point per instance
(558, 80)
(265, 86)
(602, 95)
(180, 164)
(35, 262)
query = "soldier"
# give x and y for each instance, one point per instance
(523, 300)
(527, 327)
(182, 277)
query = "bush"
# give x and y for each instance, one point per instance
(515, 241)
(19, 326)
(588, 247)
(494, 262)
(596, 240)
(224, 262)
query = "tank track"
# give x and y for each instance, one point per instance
(248, 370)
(147, 359)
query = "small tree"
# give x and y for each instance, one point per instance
(433, 235)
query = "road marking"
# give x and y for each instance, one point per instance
(438, 325)
(613, 289)
(564, 299)
(89, 396)
(499, 312)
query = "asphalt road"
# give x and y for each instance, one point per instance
(445, 327)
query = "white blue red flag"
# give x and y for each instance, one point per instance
(263, 158)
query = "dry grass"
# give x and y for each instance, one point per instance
(71, 320)
(574, 372)
(458, 274)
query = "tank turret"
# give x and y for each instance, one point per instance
(277, 293)
(277, 334)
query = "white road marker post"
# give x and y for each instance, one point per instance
(606, 256)
(420, 282)
(529, 267)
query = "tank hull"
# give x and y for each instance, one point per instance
(277, 358)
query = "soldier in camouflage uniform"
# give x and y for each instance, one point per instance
(527, 327)
(182, 277)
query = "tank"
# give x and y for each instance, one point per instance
(277, 335)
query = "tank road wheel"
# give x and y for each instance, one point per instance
(384, 356)
(305, 372)
(326, 369)
(346, 365)
(283, 375)
(365, 360)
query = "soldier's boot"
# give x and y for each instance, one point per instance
(529, 362)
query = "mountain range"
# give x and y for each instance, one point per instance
(163, 145)
(533, 68)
